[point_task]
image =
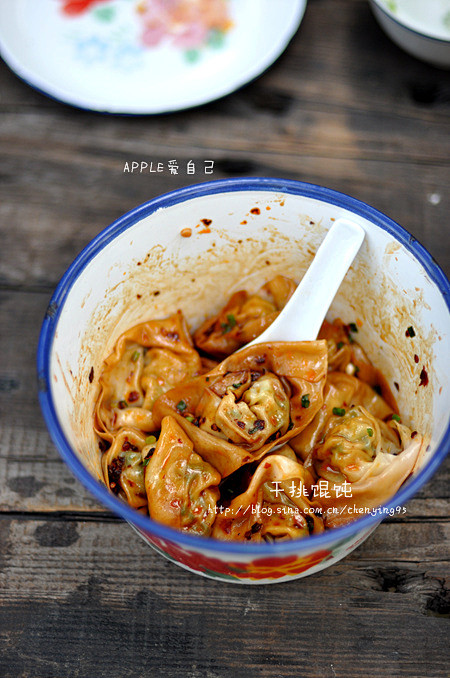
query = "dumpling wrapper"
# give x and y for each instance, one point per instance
(243, 318)
(298, 369)
(123, 468)
(181, 487)
(361, 463)
(346, 355)
(276, 504)
(133, 378)
(342, 391)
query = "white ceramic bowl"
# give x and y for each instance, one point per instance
(420, 27)
(140, 267)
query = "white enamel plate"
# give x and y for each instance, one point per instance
(143, 56)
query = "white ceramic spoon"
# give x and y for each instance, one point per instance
(302, 317)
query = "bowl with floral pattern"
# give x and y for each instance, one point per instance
(191, 249)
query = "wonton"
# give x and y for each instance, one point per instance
(278, 441)
(243, 318)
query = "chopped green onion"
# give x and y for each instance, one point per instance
(228, 326)
(410, 331)
(339, 411)
(190, 419)
(305, 400)
(353, 327)
(181, 406)
(145, 462)
(340, 345)
(150, 440)
(135, 356)
(395, 417)
(370, 432)
(238, 385)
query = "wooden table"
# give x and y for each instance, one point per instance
(81, 594)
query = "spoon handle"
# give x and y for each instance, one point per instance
(302, 317)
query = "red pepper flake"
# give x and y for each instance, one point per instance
(133, 396)
(396, 385)
(267, 262)
(416, 358)
(206, 222)
(214, 427)
(267, 465)
(268, 207)
(423, 377)
(242, 224)
(259, 425)
(413, 434)
(138, 296)
(205, 230)
(226, 526)
(255, 210)
(186, 232)
(91, 375)
(240, 424)
(103, 445)
(127, 446)
(156, 292)
(114, 473)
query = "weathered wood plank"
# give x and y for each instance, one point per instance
(68, 609)
(52, 207)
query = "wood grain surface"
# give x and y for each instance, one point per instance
(80, 594)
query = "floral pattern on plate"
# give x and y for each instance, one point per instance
(189, 25)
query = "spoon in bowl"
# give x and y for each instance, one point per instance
(303, 315)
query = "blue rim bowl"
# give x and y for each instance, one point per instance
(100, 491)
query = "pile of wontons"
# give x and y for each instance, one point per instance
(277, 441)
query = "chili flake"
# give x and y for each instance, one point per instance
(259, 425)
(423, 377)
